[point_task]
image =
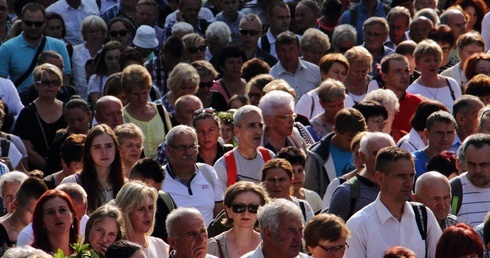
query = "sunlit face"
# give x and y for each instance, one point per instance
(245, 219)
(25, 212)
(437, 197)
(250, 131)
(282, 122)
(358, 71)
(110, 114)
(8, 194)
(429, 65)
(398, 183)
(103, 151)
(191, 237)
(185, 89)
(207, 133)
(142, 216)
(277, 183)
(337, 71)
(398, 75)
(54, 28)
(102, 234)
(78, 120)
(176, 153)
(226, 132)
(325, 248)
(470, 10)
(185, 113)
(441, 135)
(298, 177)
(287, 241)
(111, 60)
(469, 50)
(57, 216)
(131, 149)
(457, 23)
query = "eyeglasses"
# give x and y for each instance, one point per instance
(184, 148)
(204, 110)
(49, 83)
(240, 208)
(37, 23)
(249, 32)
(195, 49)
(254, 95)
(288, 116)
(330, 250)
(206, 84)
(121, 33)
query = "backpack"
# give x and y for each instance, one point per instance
(355, 191)
(206, 173)
(169, 202)
(230, 161)
(457, 192)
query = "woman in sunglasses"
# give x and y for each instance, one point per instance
(194, 47)
(242, 200)
(119, 29)
(209, 98)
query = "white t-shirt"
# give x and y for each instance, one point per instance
(157, 248)
(442, 94)
(475, 203)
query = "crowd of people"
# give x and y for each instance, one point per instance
(262, 128)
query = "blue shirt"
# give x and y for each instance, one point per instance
(420, 160)
(343, 160)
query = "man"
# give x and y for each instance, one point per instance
(250, 32)
(279, 18)
(465, 111)
(245, 161)
(420, 28)
(190, 12)
(188, 183)
(391, 220)
(125, 9)
(231, 16)
(187, 235)
(398, 20)
(433, 190)
(331, 157)
(301, 75)
(9, 183)
(471, 190)
(19, 53)
(108, 110)
(375, 30)
(343, 204)
(439, 132)
(147, 14)
(456, 20)
(185, 107)
(281, 230)
(73, 13)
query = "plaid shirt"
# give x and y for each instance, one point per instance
(158, 74)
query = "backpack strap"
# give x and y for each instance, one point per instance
(33, 64)
(355, 193)
(265, 44)
(457, 192)
(266, 156)
(231, 170)
(303, 209)
(169, 202)
(421, 218)
(221, 253)
(206, 173)
(164, 116)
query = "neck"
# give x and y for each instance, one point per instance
(275, 32)
(247, 152)
(376, 52)
(208, 153)
(232, 80)
(183, 172)
(242, 235)
(127, 165)
(60, 242)
(16, 223)
(399, 93)
(249, 51)
(368, 174)
(291, 68)
(275, 138)
(432, 81)
(336, 143)
(395, 207)
(232, 17)
(102, 174)
(430, 151)
(47, 102)
(462, 134)
(139, 238)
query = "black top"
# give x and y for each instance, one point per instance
(4, 239)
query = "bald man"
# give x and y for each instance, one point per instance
(185, 107)
(108, 110)
(433, 190)
(420, 28)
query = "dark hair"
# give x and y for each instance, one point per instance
(465, 104)
(130, 54)
(371, 108)
(387, 155)
(331, 9)
(325, 226)
(349, 120)
(122, 249)
(205, 115)
(480, 7)
(100, 67)
(33, 7)
(469, 65)
(174, 46)
(131, 29)
(399, 252)
(287, 38)
(147, 168)
(72, 148)
(230, 52)
(77, 102)
(293, 155)
(244, 100)
(442, 33)
(277, 163)
(260, 81)
(242, 187)
(271, 6)
(423, 111)
(445, 163)
(385, 62)
(55, 16)
(254, 67)
(31, 188)
(406, 47)
(459, 240)
(113, 85)
(439, 117)
(478, 86)
(486, 229)
(478, 140)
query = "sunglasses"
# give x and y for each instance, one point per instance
(240, 208)
(50, 83)
(206, 84)
(203, 110)
(195, 49)
(37, 24)
(121, 33)
(249, 32)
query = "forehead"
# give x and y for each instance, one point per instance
(183, 138)
(441, 125)
(53, 202)
(189, 222)
(110, 106)
(280, 11)
(401, 166)
(472, 149)
(252, 117)
(250, 23)
(38, 15)
(189, 4)
(395, 64)
(103, 138)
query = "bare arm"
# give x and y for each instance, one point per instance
(34, 158)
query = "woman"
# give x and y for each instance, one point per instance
(326, 236)
(102, 174)
(54, 223)
(105, 226)
(357, 78)
(137, 203)
(242, 201)
(306, 14)
(194, 48)
(125, 249)
(56, 28)
(208, 132)
(113, 87)
(93, 31)
(120, 29)
(459, 241)
(151, 118)
(231, 59)
(476, 9)
(38, 122)
(209, 98)
(237, 101)
(277, 177)
(444, 37)
(479, 86)
(130, 139)
(314, 44)
(255, 87)
(106, 64)
(478, 63)
(431, 84)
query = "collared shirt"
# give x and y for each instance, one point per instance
(392, 45)
(73, 17)
(450, 220)
(258, 253)
(374, 229)
(306, 77)
(411, 142)
(456, 143)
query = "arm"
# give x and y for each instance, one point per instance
(340, 202)
(34, 158)
(312, 168)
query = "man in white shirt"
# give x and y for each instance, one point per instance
(279, 19)
(391, 220)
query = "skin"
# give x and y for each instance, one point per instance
(342, 47)
(146, 15)
(288, 56)
(482, 67)
(485, 127)
(441, 137)
(398, 76)
(93, 35)
(278, 123)
(478, 165)
(198, 55)
(131, 149)
(191, 237)
(469, 50)
(250, 132)
(277, 183)
(78, 120)
(313, 55)
(142, 216)
(182, 158)
(138, 97)
(457, 23)
(33, 34)
(331, 109)
(468, 121)
(54, 28)
(317, 251)
(111, 60)
(375, 123)
(232, 67)
(226, 132)
(374, 37)
(287, 241)
(229, 8)
(48, 91)
(245, 219)
(398, 26)
(184, 112)
(207, 133)
(8, 194)
(57, 216)
(435, 193)
(470, 10)
(249, 41)
(420, 28)
(337, 71)
(369, 158)
(298, 177)
(109, 113)
(279, 21)
(103, 234)
(103, 151)
(189, 10)
(421, 4)
(305, 17)
(118, 26)
(429, 65)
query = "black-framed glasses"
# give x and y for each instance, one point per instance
(201, 48)
(115, 33)
(54, 83)
(35, 23)
(206, 84)
(184, 148)
(203, 110)
(254, 95)
(249, 32)
(334, 249)
(240, 208)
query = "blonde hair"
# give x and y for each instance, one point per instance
(135, 77)
(427, 47)
(41, 72)
(182, 73)
(359, 54)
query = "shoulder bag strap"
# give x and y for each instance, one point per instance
(451, 90)
(33, 63)
(221, 254)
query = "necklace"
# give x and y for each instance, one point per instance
(12, 225)
(430, 93)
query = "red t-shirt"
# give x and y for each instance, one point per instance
(408, 105)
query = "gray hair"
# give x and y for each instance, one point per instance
(274, 99)
(387, 98)
(428, 13)
(180, 129)
(315, 39)
(75, 191)
(25, 251)
(482, 115)
(12, 177)
(269, 215)
(374, 137)
(242, 112)
(182, 28)
(344, 32)
(176, 215)
(251, 17)
(92, 21)
(219, 30)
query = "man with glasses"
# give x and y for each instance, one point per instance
(375, 30)
(250, 32)
(18, 55)
(456, 20)
(190, 184)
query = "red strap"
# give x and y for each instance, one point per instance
(231, 170)
(266, 156)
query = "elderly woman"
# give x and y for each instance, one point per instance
(484, 121)
(357, 78)
(38, 122)
(306, 14)
(94, 30)
(389, 100)
(230, 62)
(344, 38)
(194, 47)
(209, 98)
(218, 35)
(151, 118)
(478, 63)
(334, 66)
(207, 128)
(183, 80)
(479, 86)
(431, 84)
(130, 138)
(444, 37)
(326, 236)
(314, 45)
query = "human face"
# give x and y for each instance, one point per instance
(478, 165)
(420, 29)
(441, 136)
(110, 114)
(209, 80)
(372, 149)
(177, 155)
(249, 41)
(139, 97)
(358, 71)
(226, 132)
(78, 120)
(277, 183)
(112, 61)
(337, 71)
(305, 17)
(103, 151)
(342, 47)
(457, 23)
(482, 67)
(186, 88)
(191, 237)
(421, 4)
(57, 216)
(320, 252)
(332, 107)
(485, 127)
(189, 10)
(280, 19)
(298, 177)
(102, 234)
(8, 194)
(207, 133)
(288, 56)
(398, 26)
(428, 65)
(345, 139)
(146, 15)
(122, 33)
(313, 55)
(73, 167)
(123, 97)
(142, 216)
(255, 94)
(229, 8)
(245, 219)
(282, 122)
(54, 28)
(437, 197)
(468, 123)
(376, 123)
(185, 113)
(287, 242)
(232, 67)
(48, 91)
(374, 37)
(251, 130)
(3, 10)
(25, 212)
(398, 183)
(469, 50)
(470, 10)
(32, 32)
(200, 54)
(130, 149)
(398, 76)
(93, 35)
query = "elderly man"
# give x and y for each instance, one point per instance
(187, 235)
(281, 229)
(185, 107)
(250, 32)
(188, 183)
(398, 20)
(456, 20)
(433, 190)
(375, 30)
(246, 160)
(465, 112)
(108, 110)
(420, 28)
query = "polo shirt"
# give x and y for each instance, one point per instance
(10, 96)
